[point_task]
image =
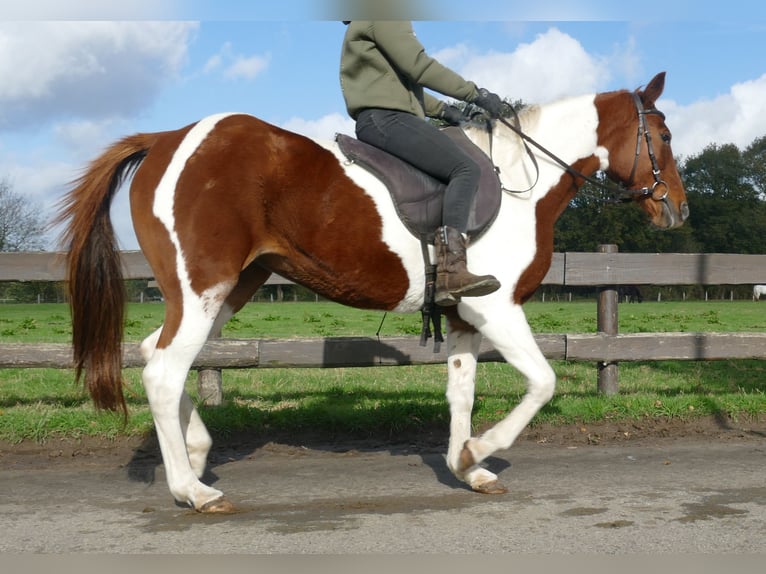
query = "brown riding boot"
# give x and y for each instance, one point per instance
(453, 280)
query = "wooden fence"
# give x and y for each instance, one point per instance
(606, 269)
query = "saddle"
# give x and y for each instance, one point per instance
(417, 196)
(418, 199)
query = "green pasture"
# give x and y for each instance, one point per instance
(386, 402)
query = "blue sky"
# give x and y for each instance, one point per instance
(78, 75)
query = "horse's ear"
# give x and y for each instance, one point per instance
(653, 90)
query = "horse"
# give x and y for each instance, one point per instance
(221, 204)
(630, 294)
(758, 290)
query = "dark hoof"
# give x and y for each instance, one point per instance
(493, 487)
(219, 506)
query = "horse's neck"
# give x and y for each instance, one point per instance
(568, 128)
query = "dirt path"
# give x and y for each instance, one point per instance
(705, 429)
(598, 489)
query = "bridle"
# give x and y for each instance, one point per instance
(644, 130)
(628, 194)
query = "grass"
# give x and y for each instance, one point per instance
(40, 404)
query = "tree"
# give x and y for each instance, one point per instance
(21, 229)
(594, 218)
(755, 161)
(724, 187)
(21, 223)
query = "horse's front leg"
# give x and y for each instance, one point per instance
(461, 372)
(510, 334)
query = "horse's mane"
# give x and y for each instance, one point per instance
(527, 118)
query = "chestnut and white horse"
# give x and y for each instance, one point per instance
(220, 205)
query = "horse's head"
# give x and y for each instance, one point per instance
(638, 142)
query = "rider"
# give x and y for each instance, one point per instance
(383, 71)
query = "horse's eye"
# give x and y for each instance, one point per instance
(665, 137)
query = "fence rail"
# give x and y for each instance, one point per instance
(606, 269)
(571, 268)
(397, 351)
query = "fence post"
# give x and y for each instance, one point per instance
(607, 324)
(210, 383)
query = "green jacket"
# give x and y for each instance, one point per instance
(383, 65)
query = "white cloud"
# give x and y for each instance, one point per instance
(85, 135)
(737, 117)
(236, 66)
(452, 55)
(213, 63)
(246, 68)
(324, 128)
(553, 66)
(85, 69)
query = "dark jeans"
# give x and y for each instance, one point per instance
(423, 145)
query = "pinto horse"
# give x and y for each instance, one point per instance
(220, 205)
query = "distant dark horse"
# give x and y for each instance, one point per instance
(220, 205)
(630, 294)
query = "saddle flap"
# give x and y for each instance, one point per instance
(417, 196)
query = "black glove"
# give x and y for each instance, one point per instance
(452, 115)
(490, 102)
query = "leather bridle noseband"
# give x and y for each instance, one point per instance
(627, 193)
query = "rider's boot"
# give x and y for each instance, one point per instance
(453, 280)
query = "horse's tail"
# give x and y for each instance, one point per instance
(94, 270)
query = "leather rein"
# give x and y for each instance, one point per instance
(628, 194)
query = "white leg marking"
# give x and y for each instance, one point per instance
(510, 334)
(184, 440)
(164, 379)
(461, 370)
(198, 441)
(461, 373)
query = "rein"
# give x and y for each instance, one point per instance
(618, 189)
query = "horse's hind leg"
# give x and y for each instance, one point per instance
(250, 279)
(175, 418)
(198, 440)
(196, 436)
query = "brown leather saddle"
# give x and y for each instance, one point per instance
(417, 196)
